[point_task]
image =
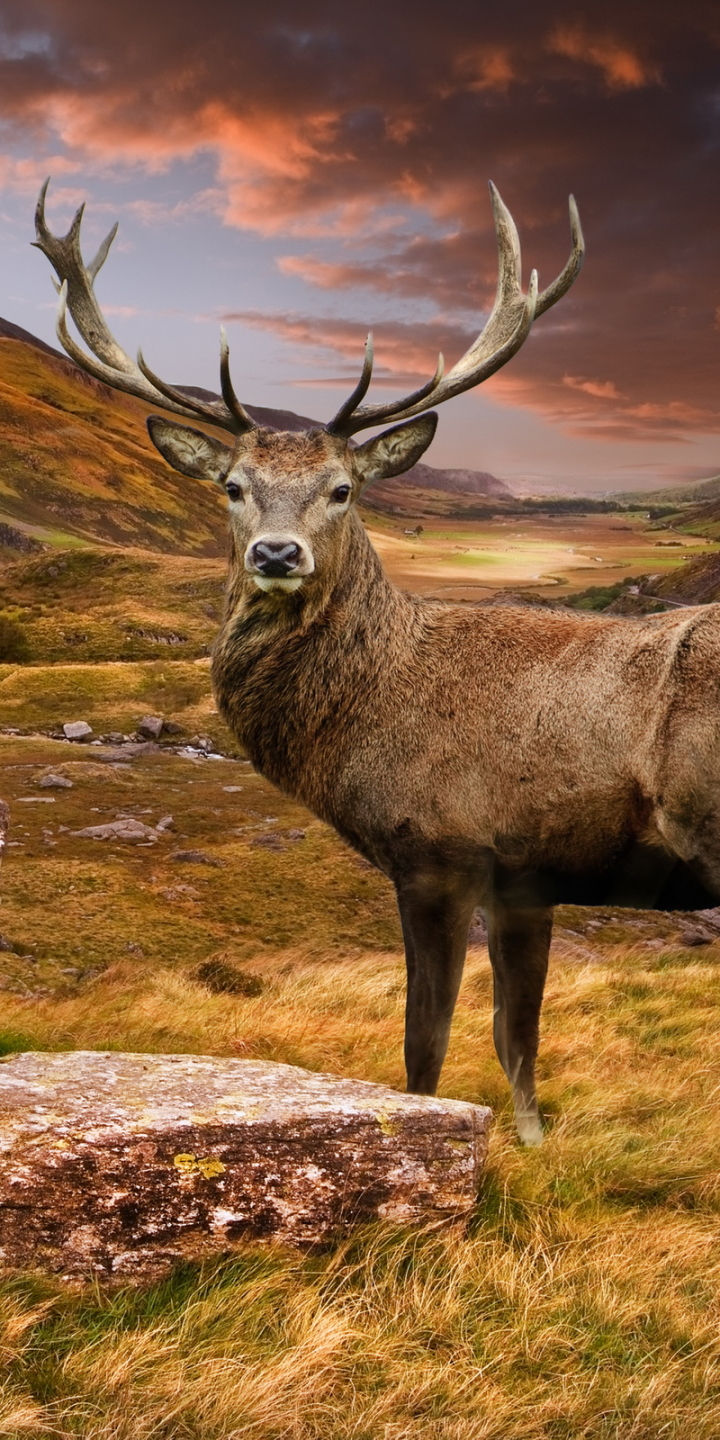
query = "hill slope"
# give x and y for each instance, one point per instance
(76, 462)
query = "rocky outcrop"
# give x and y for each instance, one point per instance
(120, 1165)
(453, 482)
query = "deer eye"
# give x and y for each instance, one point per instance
(233, 490)
(340, 494)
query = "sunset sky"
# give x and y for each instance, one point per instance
(305, 171)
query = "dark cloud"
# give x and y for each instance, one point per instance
(344, 125)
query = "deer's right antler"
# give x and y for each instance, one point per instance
(108, 361)
(507, 328)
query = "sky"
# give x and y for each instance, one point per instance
(302, 172)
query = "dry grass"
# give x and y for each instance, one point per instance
(76, 462)
(93, 604)
(113, 696)
(581, 1303)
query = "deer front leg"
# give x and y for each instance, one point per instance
(435, 910)
(519, 945)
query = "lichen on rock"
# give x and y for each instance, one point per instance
(120, 1165)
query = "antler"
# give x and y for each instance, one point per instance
(108, 361)
(508, 326)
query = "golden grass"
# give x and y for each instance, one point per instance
(96, 604)
(111, 696)
(76, 458)
(582, 1299)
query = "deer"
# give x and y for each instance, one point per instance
(511, 758)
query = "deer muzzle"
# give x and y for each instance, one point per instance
(279, 562)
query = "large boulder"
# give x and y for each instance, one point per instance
(121, 1165)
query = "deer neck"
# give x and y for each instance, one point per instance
(293, 674)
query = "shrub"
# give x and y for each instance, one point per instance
(14, 647)
(224, 979)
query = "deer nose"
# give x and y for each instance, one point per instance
(275, 558)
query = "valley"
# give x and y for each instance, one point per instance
(157, 895)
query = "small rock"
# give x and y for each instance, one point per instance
(77, 730)
(195, 857)
(151, 727)
(232, 789)
(223, 978)
(127, 751)
(294, 835)
(271, 841)
(695, 937)
(171, 727)
(166, 823)
(6, 944)
(55, 782)
(131, 830)
(200, 742)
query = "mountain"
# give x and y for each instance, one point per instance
(274, 419)
(694, 509)
(452, 482)
(694, 494)
(696, 583)
(8, 331)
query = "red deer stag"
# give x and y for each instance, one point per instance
(511, 758)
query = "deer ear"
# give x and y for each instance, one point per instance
(395, 450)
(190, 451)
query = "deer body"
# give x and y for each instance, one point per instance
(525, 739)
(511, 758)
(504, 757)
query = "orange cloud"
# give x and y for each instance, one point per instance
(622, 68)
(486, 67)
(371, 133)
(405, 353)
(601, 389)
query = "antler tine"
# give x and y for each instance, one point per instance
(102, 253)
(507, 327)
(573, 266)
(344, 421)
(100, 371)
(108, 361)
(243, 420)
(213, 411)
(338, 421)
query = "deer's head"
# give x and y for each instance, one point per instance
(289, 494)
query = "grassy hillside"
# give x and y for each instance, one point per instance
(77, 464)
(92, 604)
(696, 494)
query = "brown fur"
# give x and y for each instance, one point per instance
(512, 758)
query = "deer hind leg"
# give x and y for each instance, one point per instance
(435, 910)
(519, 945)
